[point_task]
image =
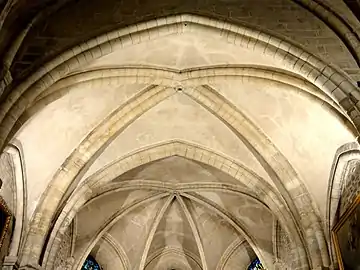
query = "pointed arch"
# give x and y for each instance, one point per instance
(308, 67)
(118, 250)
(190, 77)
(81, 157)
(151, 234)
(96, 183)
(173, 250)
(284, 176)
(194, 230)
(229, 252)
(311, 68)
(111, 221)
(16, 151)
(234, 222)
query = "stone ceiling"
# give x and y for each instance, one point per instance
(183, 142)
(66, 23)
(193, 227)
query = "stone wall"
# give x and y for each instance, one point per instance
(6, 231)
(7, 200)
(7, 175)
(286, 255)
(63, 257)
(351, 186)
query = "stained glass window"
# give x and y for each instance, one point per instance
(90, 264)
(256, 265)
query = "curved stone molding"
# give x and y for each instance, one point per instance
(232, 220)
(194, 230)
(228, 253)
(64, 251)
(288, 199)
(112, 220)
(95, 185)
(264, 191)
(118, 250)
(154, 226)
(15, 150)
(173, 250)
(337, 23)
(19, 194)
(284, 249)
(343, 157)
(345, 153)
(184, 78)
(300, 62)
(237, 225)
(278, 167)
(307, 66)
(95, 141)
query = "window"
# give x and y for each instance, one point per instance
(256, 265)
(90, 264)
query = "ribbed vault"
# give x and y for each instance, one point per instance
(338, 31)
(182, 222)
(181, 143)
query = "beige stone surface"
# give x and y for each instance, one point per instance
(258, 225)
(183, 142)
(240, 257)
(284, 118)
(173, 235)
(107, 255)
(186, 50)
(57, 129)
(209, 225)
(8, 178)
(174, 231)
(167, 121)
